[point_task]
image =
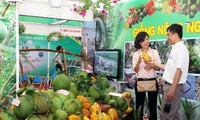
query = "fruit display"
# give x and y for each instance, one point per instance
(77, 97)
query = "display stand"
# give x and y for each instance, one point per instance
(63, 52)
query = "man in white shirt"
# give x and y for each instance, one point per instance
(175, 73)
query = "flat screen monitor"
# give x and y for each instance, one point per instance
(107, 62)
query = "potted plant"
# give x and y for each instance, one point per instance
(188, 108)
(54, 35)
(22, 28)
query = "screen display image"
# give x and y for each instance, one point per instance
(107, 62)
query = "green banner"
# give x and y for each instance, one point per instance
(154, 17)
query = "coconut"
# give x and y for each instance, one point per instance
(61, 81)
(25, 108)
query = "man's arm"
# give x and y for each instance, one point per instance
(161, 66)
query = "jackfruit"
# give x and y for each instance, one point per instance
(42, 103)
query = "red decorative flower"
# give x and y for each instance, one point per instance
(103, 12)
(114, 1)
(83, 12)
(75, 9)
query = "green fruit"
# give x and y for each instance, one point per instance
(83, 73)
(114, 97)
(73, 88)
(191, 14)
(106, 98)
(33, 118)
(56, 103)
(120, 101)
(104, 83)
(62, 97)
(120, 114)
(107, 90)
(71, 96)
(50, 93)
(50, 116)
(84, 93)
(123, 108)
(7, 116)
(25, 108)
(93, 92)
(42, 103)
(42, 117)
(61, 81)
(113, 103)
(91, 99)
(3, 31)
(61, 115)
(70, 106)
(80, 106)
(193, 7)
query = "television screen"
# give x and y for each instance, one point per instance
(107, 62)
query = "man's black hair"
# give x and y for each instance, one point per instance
(176, 28)
(58, 47)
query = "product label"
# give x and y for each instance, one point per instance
(16, 102)
(64, 92)
(115, 94)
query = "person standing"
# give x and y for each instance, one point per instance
(58, 60)
(145, 72)
(175, 73)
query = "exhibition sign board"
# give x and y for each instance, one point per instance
(135, 16)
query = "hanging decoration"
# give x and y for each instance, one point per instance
(54, 35)
(102, 6)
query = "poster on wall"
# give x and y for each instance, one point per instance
(35, 62)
